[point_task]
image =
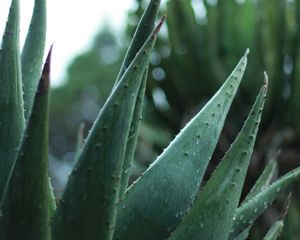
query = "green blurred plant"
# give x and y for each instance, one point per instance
(207, 38)
(97, 202)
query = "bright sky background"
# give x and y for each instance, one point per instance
(71, 25)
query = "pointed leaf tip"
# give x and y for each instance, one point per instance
(286, 207)
(158, 27)
(277, 154)
(196, 142)
(44, 82)
(266, 79)
(247, 52)
(82, 127)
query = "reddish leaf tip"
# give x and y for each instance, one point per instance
(44, 83)
(158, 27)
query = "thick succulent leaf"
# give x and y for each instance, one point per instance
(142, 32)
(144, 29)
(88, 207)
(12, 123)
(133, 136)
(32, 54)
(247, 213)
(211, 216)
(159, 198)
(243, 235)
(263, 181)
(274, 231)
(28, 202)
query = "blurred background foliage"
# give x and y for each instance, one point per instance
(198, 48)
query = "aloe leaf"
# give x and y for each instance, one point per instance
(247, 213)
(159, 198)
(144, 29)
(12, 123)
(211, 216)
(89, 203)
(274, 231)
(32, 54)
(142, 32)
(263, 181)
(276, 228)
(243, 235)
(29, 203)
(133, 136)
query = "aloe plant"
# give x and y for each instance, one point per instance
(165, 202)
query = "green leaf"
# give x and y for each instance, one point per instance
(32, 54)
(89, 203)
(133, 136)
(243, 235)
(188, 52)
(12, 123)
(159, 198)
(141, 34)
(144, 29)
(247, 213)
(28, 204)
(277, 227)
(211, 216)
(274, 231)
(263, 181)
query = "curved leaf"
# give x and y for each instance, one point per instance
(274, 231)
(32, 54)
(88, 206)
(277, 227)
(144, 29)
(133, 136)
(12, 123)
(29, 203)
(211, 216)
(159, 198)
(263, 181)
(247, 213)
